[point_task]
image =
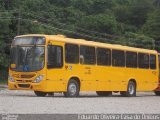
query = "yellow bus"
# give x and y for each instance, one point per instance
(157, 91)
(54, 63)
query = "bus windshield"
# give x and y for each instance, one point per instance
(27, 58)
(32, 40)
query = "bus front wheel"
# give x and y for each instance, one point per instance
(131, 90)
(104, 93)
(72, 89)
(157, 93)
(40, 94)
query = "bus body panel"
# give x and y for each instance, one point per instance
(91, 77)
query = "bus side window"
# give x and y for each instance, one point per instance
(131, 59)
(118, 58)
(103, 57)
(55, 56)
(143, 60)
(71, 53)
(152, 62)
(88, 54)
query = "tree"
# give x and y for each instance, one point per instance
(136, 40)
(152, 25)
(137, 21)
(139, 11)
(156, 3)
(5, 35)
(102, 23)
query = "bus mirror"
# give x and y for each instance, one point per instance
(81, 59)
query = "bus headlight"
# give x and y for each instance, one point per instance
(38, 79)
(10, 78)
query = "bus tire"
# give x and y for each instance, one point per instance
(104, 93)
(73, 89)
(40, 94)
(157, 93)
(131, 90)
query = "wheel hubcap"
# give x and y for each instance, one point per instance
(72, 88)
(131, 89)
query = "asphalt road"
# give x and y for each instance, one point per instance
(25, 102)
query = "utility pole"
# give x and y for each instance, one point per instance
(18, 25)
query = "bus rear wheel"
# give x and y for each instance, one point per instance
(157, 93)
(131, 90)
(72, 89)
(40, 94)
(104, 93)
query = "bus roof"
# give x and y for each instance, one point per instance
(90, 43)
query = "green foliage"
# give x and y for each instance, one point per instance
(102, 22)
(5, 33)
(127, 22)
(139, 11)
(152, 26)
(156, 3)
(136, 40)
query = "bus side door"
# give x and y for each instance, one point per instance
(55, 65)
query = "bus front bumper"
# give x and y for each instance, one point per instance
(26, 86)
